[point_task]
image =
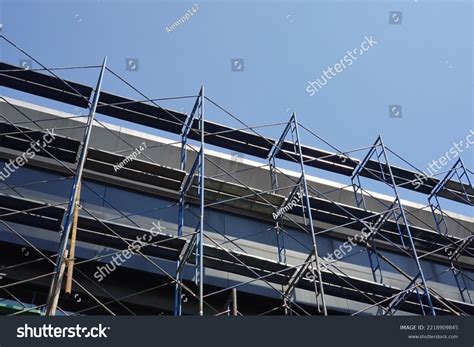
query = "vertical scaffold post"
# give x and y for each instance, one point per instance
(292, 126)
(55, 287)
(196, 241)
(310, 217)
(186, 253)
(201, 221)
(280, 239)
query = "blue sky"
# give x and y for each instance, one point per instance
(423, 64)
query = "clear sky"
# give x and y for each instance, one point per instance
(422, 63)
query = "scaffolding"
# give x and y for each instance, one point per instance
(454, 253)
(297, 206)
(396, 212)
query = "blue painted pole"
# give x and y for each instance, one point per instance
(201, 227)
(310, 217)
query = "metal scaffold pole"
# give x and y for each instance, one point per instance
(313, 266)
(201, 220)
(310, 219)
(55, 287)
(196, 241)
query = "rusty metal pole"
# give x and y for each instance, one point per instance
(72, 247)
(54, 303)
